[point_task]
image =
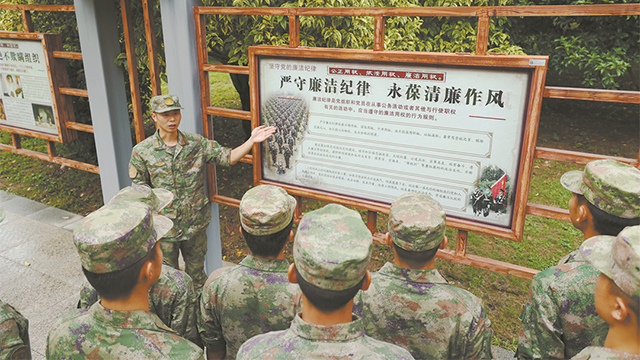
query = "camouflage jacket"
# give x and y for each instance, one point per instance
(420, 311)
(249, 299)
(182, 171)
(14, 334)
(172, 298)
(101, 333)
(601, 353)
(560, 318)
(308, 341)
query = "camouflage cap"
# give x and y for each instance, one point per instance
(618, 257)
(416, 222)
(266, 209)
(156, 199)
(117, 235)
(164, 103)
(332, 248)
(609, 185)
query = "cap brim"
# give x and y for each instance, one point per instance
(162, 225)
(572, 181)
(160, 111)
(597, 251)
(165, 197)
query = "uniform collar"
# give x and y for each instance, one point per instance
(134, 319)
(412, 275)
(159, 144)
(339, 332)
(265, 264)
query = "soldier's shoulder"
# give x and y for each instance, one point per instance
(175, 279)
(144, 144)
(223, 274)
(272, 342)
(565, 275)
(386, 350)
(8, 312)
(70, 321)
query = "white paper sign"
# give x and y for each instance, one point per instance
(378, 130)
(25, 99)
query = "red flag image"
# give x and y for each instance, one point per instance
(500, 184)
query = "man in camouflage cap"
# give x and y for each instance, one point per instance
(331, 252)
(255, 296)
(617, 293)
(560, 320)
(120, 256)
(429, 329)
(14, 329)
(173, 297)
(174, 160)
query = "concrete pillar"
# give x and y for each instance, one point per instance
(99, 36)
(178, 28)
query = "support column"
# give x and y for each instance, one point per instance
(97, 27)
(178, 28)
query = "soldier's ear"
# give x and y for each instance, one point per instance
(153, 116)
(445, 241)
(387, 239)
(291, 274)
(367, 281)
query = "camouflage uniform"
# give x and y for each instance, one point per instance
(418, 309)
(14, 333)
(110, 239)
(322, 259)
(172, 298)
(255, 296)
(601, 353)
(560, 318)
(180, 170)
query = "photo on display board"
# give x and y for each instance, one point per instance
(43, 115)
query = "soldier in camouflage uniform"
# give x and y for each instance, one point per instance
(255, 296)
(331, 254)
(409, 303)
(617, 293)
(120, 256)
(175, 161)
(560, 320)
(173, 297)
(14, 330)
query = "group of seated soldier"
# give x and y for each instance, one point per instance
(327, 305)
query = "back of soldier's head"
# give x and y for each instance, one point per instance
(331, 252)
(266, 218)
(618, 258)
(115, 241)
(611, 190)
(416, 226)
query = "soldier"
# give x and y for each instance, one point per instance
(14, 330)
(173, 297)
(560, 320)
(501, 202)
(176, 161)
(255, 296)
(121, 259)
(477, 198)
(617, 293)
(428, 328)
(287, 155)
(331, 253)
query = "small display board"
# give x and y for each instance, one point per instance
(362, 130)
(30, 77)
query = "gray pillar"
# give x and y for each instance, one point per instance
(107, 92)
(178, 28)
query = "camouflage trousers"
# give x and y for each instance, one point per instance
(193, 252)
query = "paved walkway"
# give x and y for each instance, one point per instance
(41, 273)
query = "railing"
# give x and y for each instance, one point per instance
(483, 15)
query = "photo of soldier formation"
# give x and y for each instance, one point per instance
(136, 303)
(290, 116)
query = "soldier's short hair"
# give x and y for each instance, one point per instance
(605, 223)
(327, 301)
(119, 284)
(267, 245)
(415, 259)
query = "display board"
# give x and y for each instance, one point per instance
(373, 130)
(29, 79)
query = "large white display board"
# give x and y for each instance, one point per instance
(25, 99)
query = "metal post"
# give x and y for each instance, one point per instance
(178, 28)
(97, 27)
